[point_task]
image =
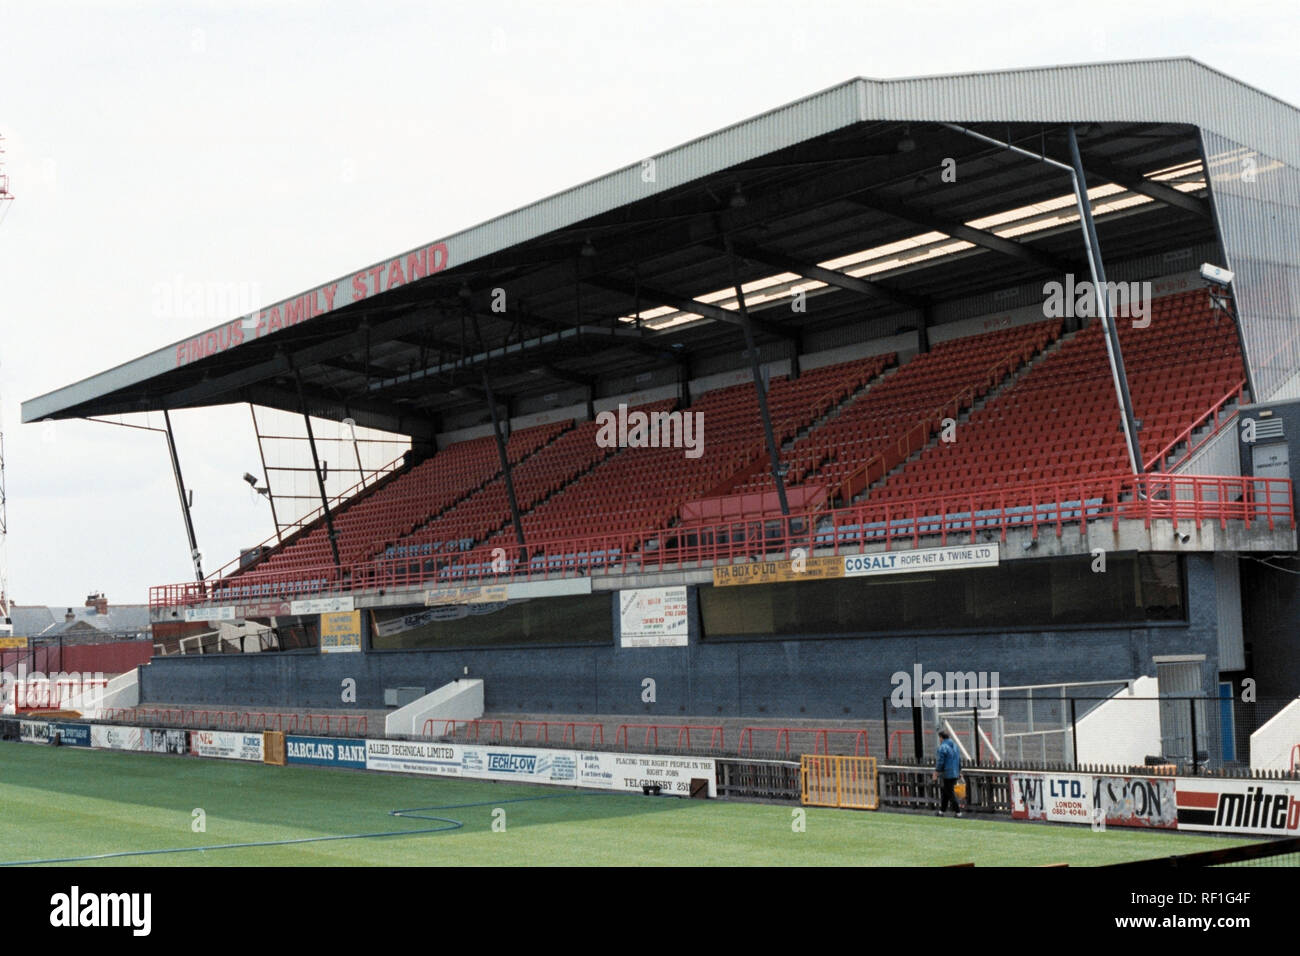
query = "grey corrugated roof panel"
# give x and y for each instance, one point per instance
(1178, 90)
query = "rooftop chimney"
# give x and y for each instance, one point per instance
(98, 601)
(69, 617)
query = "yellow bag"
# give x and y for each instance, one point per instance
(959, 788)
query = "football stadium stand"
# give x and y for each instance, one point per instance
(907, 449)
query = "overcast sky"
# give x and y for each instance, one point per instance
(274, 146)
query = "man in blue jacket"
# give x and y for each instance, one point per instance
(947, 764)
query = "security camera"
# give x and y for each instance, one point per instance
(1216, 274)
(250, 479)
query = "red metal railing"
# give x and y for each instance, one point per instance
(568, 731)
(1295, 758)
(1236, 392)
(1048, 506)
(717, 738)
(821, 737)
(893, 745)
(450, 728)
(339, 725)
(307, 520)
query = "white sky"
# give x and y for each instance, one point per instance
(278, 145)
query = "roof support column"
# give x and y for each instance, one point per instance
(505, 467)
(1128, 421)
(320, 479)
(185, 500)
(773, 452)
(1102, 297)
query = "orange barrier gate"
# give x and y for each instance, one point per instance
(846, 782)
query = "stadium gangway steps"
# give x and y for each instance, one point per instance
(717, 736)
(821, 737)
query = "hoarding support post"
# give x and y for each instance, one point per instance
(884, 711)
(1074, 736)
(1196, 763)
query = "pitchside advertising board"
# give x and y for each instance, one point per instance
(326, 752)
(1257, 807)
(598, 771)
(72, 735)
(1121, 801)
(113, 737)
(1060, 798)
(228, 745)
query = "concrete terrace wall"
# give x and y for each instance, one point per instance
(827, 678)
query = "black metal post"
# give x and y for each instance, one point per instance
(1129, 420)
(884, 709)
(773, 453)
(195, 557)
(975, 716)
(918, 741)
(320, 480)
(505, 468)
(1196, 763)
(1074, 736)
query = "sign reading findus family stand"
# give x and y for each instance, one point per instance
(383, 277)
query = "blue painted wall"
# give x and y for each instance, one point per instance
(797, 678)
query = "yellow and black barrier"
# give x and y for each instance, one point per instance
(848, 782)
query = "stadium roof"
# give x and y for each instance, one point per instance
(839, 193)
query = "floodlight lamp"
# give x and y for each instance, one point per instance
(1216, 274)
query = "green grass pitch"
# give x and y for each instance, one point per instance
(68, 803)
